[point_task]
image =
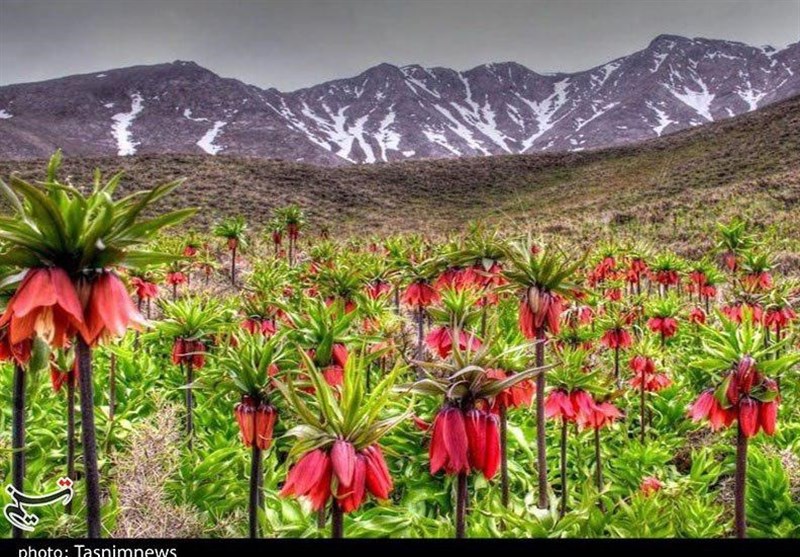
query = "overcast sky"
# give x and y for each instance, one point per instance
(290, 44)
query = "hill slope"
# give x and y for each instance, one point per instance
(669, 188)
(390, 113)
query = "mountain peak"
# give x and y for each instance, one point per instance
(391, 113)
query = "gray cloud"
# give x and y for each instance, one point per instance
(290, 44)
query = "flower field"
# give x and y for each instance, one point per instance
(248, 381)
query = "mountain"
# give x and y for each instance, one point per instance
(669, 190)
(391, 113)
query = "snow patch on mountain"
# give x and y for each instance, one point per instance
(121, 127)
(5, 115)
(206, 143)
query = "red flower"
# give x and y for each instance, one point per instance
(517, 396)
(350, 496)
(176, 277)
(667, 277)
(616, 338)
(761, 280)
(650, 485)
(613, 294)
(233, 243)
(707, 406)
(767, 416)
(378, 288)
(19, 352)
(339, 355)
(449, 445)
(58, 377)
(539, 310)
(343, 459)
(779, 318)
(245, 412)
(109, 310)
(189, 251)
(559, 405)
(420, 294)
(440, 339)
(334, 376)
(697, 316)
(186, 350)
(667, 326)
(748, 416)
(483, 438)
(310, 477)
(266, 414)
(378, 479)
(257, 325)
(45, 304)
(144, 290)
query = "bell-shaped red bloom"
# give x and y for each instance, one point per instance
(420, 294)
(666, 326)
(339, 355)
(748, 416)
(378, 288)
(188, 350)
(483, 438)
(58, 377)
(779, 318)
(310, 477)
(538, 310)
(440, 340)
(352, 495)
(19, 352)
(245, 412)
(333, 375)
(517, 396)
(378, 479)
(449, 445)
(616, 338)
(558, 404)
(767, 416)
(697, 316)
(266, 415)
(583, 405)
(176, 278)
(144, 290)
(259, 325)
(45, 304)
(708, 407)
(343, 458)
(650, 485)
(109, 309)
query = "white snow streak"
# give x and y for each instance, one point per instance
(5, 115)
(122, 122)
(440, 139)
(660, 57)
(545, 110)
(663, 119)
(387, 138)
(596, 113)
(700, 101)
(751, 97)
(206, 142)
(188, 115)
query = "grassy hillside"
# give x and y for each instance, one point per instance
(670, 189)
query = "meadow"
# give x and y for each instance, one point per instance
(283, 378)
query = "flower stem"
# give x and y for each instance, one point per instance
(18, 436)
(643, 396)
(741, 485)
(70, 434)
(461, 506)
(112, 385)
(189, 402)
(337, 521)
(88, 436)
(564, 489)
(255, 474)
(598, 467)
(233, 266)
(504, 493)
(541, 456)
(420, 338)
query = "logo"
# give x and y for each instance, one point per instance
(18, 516)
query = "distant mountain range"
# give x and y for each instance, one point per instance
(391, 113)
